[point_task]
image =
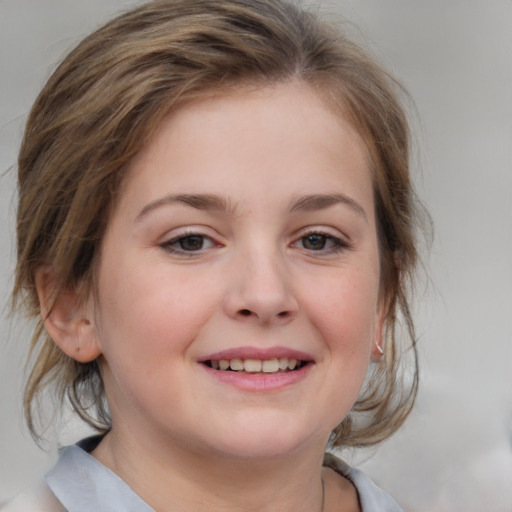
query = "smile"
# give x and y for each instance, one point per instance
(257, 369)
(254, 366)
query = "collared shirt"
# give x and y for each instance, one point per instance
(80, 483)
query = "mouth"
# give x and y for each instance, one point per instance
(259, 370)
(253, 366)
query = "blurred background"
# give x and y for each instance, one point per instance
(455, 58)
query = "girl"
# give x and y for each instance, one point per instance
(216, 231)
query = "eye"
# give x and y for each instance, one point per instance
(317, 241)
(314, 242)
(191, 242)
(188, 243)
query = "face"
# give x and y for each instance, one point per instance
(238, 282)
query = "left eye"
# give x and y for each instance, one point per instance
(320, 242)
(188, 243)
(314, 242)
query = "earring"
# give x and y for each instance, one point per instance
(379, 348)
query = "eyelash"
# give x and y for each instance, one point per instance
(168, 245)
(338, 245)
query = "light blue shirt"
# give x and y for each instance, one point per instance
(82, 484)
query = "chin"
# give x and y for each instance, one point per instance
(267, 439)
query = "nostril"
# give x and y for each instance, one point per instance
(247, 313)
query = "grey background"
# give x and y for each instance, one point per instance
(455, 57)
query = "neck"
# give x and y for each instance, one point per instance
(191, 481)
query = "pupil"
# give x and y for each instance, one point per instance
(192, 243)
(314, 242)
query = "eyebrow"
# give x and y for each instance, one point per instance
(211, 202)
(207, 202)
(322, 201)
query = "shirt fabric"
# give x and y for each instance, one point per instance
(80, 483)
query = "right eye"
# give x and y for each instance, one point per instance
(188, 243)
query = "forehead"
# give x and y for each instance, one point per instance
(250, 136)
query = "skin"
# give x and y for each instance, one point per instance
(266, 270)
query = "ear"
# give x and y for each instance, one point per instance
(378, 335)
(67, 317)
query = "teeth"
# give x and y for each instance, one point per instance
(236, 364)
(252, 365)
(256, 365)
(270, 366)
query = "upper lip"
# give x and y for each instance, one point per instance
(258, 353)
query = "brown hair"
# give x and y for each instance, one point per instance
(109, 95)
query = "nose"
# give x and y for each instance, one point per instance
(260, 290)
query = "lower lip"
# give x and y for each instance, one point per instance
(259, 382)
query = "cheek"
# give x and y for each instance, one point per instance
(344, 316)
(344, 312)
(151, 313)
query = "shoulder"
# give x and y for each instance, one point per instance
(38, 499)
(82, 484)
(372, 498)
